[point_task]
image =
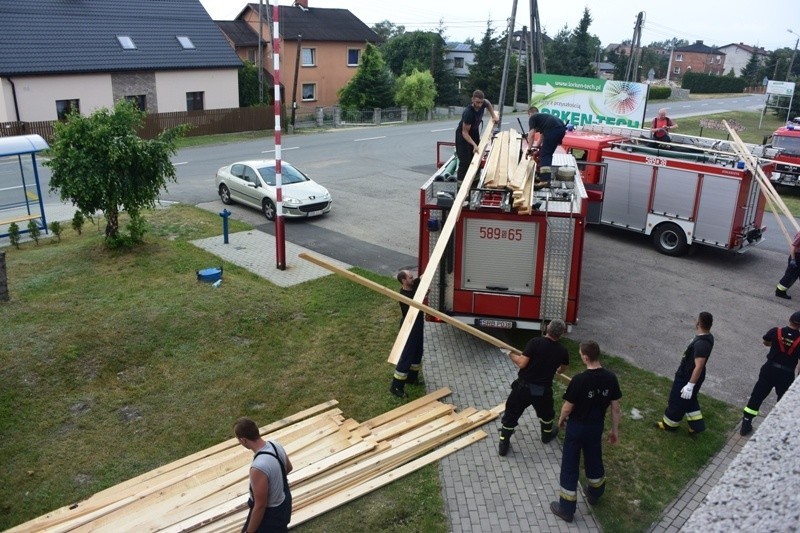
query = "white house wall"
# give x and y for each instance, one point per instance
(221, 88)
(6, 102)
(37, 95)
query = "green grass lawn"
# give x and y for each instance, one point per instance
(117, 362)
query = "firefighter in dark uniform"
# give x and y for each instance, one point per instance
(792, 269)
(688, 379)
(779, 370)
(551, 130)
(538, 364)
(583, 417)
(468, 131)
(410, 362)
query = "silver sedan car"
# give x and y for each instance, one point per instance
(253, 183)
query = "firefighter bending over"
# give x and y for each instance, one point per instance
(551, 130)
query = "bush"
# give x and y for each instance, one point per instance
(659, 93)
(13, 234)
(33, 229)
(709, 84)
(77, 222)
(56, 228)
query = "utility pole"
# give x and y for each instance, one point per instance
(260, 51)
(519, 61)
(504, 80)
(791, 61)
(296, 72)
(633, 62)
(536, 51)
(669, 63)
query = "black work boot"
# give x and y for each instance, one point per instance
(747, 426)
(397, 388)
(505, 441)
(413, 377)
(549, 433)
(782, 294)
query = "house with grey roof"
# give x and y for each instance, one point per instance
(458, 57)
(326, 45)
(61, 55)
(738, 55)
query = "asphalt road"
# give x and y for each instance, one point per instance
(636, 303)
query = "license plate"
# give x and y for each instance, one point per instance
(492, 323)
(314, 213)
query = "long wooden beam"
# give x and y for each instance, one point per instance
(441, 244)
(352, 276)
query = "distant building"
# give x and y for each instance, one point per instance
(696, 57)
(738, 55)
(459, 57)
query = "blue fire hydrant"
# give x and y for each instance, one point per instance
(225, 214)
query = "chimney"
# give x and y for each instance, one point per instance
(699, 42)
(301, 3)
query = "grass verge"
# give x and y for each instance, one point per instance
(117, 362)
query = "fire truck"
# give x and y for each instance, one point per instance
(786, 142)
(506, 266)
(689, 191)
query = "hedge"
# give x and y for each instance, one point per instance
(708, 83)
(659, 93)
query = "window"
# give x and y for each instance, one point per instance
(458, 62)
(309, 91)
(65, 107)
(309, 57)
(353, 55)
(194, 101)
(139, 100)
(676, 70)
(251, 55)
(186, 43)
(126, 42)
(678, 57)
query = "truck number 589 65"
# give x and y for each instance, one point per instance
(488, 232)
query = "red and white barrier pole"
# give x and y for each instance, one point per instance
(280, 239)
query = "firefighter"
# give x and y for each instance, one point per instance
(551, 130)
(792, 270)
(688, 379)
(779, 370)
(468, 133)
(583, 416)
(661, 125)
(410, 362)
(538, 364)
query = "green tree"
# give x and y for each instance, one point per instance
(486, 73)
(420, 50)
(558, 51)
(750, 71)
(386, 30)
(248, 86)
(100, 163)
(372, 85)
(417, 91)
(584, 47)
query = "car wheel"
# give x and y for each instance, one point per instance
(269, 209)
(669, 239)
(225, 195)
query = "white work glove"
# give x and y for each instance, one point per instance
(686, 391)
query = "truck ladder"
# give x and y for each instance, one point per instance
(559, 235)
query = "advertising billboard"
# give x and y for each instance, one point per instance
(581, 101)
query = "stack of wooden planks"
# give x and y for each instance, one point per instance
(335, 461)
(505, 169)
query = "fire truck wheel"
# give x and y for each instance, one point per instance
(670, 239)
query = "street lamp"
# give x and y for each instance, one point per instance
(791, 61)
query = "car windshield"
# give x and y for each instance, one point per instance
(289, 175)
(790, 145)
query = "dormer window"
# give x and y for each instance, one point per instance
(126, 42)
(185, 41)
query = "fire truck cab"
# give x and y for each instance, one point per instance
(679, 195)
(786, 141)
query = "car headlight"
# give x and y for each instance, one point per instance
(291, 201)
(326, 196)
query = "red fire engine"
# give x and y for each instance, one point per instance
(501, 268)
(682, 193)
(786, 142)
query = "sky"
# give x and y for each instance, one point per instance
(716, 22)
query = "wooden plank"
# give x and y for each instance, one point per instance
(523, 170)
(404, 409)
(412, 303)
(438, 251)
(413, 422)
(341, 498)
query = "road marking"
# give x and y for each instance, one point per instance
(370, 138)
(282, 149)
(181, 163)
(443, 129)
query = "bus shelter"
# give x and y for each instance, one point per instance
(21, 199)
